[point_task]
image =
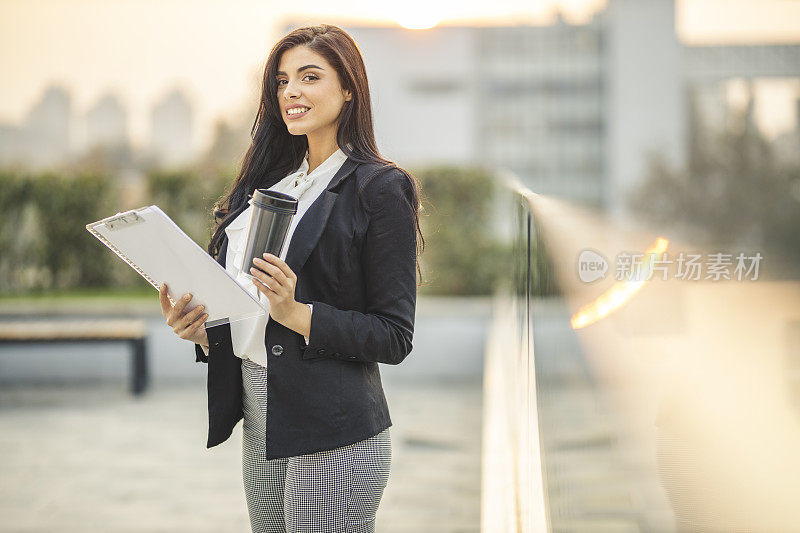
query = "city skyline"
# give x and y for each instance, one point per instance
(54, 132)
(143, 62)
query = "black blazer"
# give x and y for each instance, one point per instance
(355, 262)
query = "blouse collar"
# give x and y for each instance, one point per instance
(333, 161)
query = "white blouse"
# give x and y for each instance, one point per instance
(248, 334)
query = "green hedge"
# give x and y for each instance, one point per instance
(43, 216)
(188, 197)
(45, 245)
(462, 255)
(43, 235)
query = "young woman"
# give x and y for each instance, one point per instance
(316, 448)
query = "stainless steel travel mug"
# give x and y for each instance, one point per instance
(269, 222)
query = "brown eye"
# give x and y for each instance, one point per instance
(313, 77)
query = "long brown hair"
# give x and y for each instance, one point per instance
(274, 152)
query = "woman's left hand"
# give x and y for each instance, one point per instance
(277, 281)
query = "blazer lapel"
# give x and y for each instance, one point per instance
(309, 229)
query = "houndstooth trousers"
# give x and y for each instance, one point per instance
(329, 491)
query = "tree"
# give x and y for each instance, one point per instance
(732, 192)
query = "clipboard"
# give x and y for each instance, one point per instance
(156, 247)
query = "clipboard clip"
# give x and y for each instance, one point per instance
(123, 220)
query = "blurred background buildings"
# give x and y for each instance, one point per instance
(576, 110)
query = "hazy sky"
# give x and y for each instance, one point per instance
(215, 49)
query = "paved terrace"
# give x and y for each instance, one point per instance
(78, 453)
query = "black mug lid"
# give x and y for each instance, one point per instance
(274, 200)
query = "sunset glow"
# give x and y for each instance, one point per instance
(620, 292)
(418, 21)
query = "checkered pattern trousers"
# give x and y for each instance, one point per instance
(329, 491)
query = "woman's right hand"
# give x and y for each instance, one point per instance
(187, 326)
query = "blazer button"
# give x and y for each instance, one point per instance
(321, 351)
(277, 349)
(351, 356)
(216, 343)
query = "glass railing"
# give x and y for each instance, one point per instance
(636, 398)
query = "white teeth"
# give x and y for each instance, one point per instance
(296, 110)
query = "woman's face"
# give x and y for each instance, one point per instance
(306, 81)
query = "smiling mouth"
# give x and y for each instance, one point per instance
(294, 113)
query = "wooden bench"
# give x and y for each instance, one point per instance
(133, 332)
